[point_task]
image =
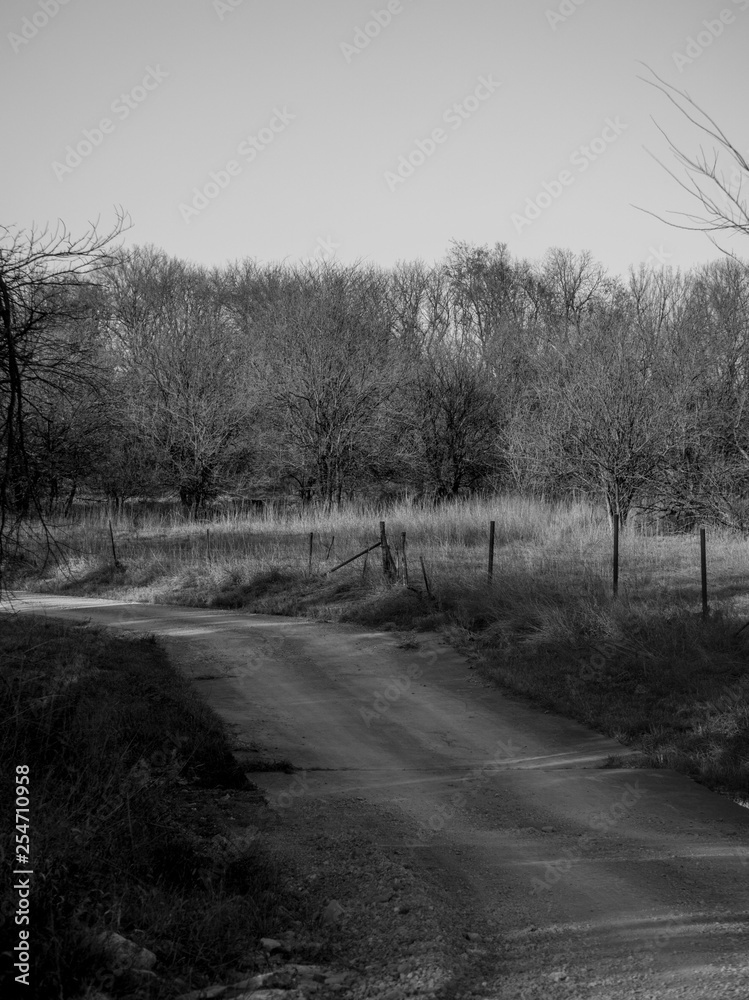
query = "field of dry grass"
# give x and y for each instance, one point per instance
(645, 667)
(165, 558)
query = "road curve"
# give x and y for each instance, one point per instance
(604, 883)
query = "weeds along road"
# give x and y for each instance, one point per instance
(601, 883)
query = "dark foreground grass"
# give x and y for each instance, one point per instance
(124, 767)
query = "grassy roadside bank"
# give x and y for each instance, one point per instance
(141, 822)
(644, 668)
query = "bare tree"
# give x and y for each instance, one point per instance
(330, 360)
(455, 424)
(658, 298)
(574, 283)
(708, 477)
(484, 291)
(46, 302)
(407, 287)
(183, 371)
(608, 418)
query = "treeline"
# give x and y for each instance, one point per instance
(152, 377)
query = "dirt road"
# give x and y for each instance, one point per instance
(601, 883)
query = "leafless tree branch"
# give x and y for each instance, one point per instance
(705, 176)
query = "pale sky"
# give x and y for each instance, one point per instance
(269, 129)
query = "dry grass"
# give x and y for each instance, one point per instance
(656, 667)
(164, 555)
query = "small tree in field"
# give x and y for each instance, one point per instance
(609, 417)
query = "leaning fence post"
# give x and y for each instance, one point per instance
(364, 552)
(426, 578)
(114, 551)
(388, 564)
(703, 570)
(616, 554)
(491, 550)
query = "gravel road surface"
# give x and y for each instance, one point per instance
(582, 880)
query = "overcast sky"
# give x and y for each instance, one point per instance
(281, 129)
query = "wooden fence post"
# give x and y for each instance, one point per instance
(426, 578)
(114, 551)
(491, 550)
(388, 565)
(616, 554)
(405, 560)
(703, 570)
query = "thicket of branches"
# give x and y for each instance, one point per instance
(155, 378)
(53, 420)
